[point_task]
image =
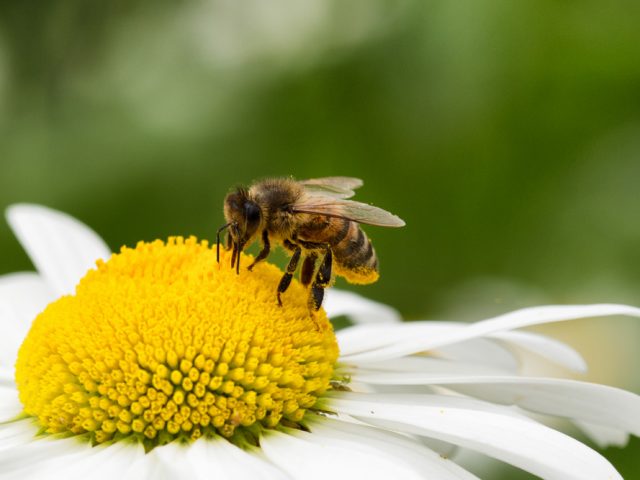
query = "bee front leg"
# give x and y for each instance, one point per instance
(234, 254)
(285, 281)
(266, 248)
(322, 280)
(220, 230)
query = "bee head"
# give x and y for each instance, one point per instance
(243, 215)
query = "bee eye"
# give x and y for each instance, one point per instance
(252, 212)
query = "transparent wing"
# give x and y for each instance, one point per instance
(339, 207)
(337, 187)
(345, 183)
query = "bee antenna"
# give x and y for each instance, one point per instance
(220, 230)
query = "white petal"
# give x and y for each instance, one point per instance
(16, 434)
(603, 436)
(22, 297)
(31, 460)
(6, 376)
(147, 467)
(371, 337)
(444, 449)
(598, 404)
(358, 308)
(62, 248)
(406, 449)
(480, 351)
(219, 459)
(302, 457)
(523, 443)
(106, 462)
(549, 348)
(10, 406)
(170, 462)
(424, 364)
(23, 455)
(518, 319)
(362, 338)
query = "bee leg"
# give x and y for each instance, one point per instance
(239, 247)
(235, 254)
(266, 248)
(289, 245)
(308, 268)
(322, 280)
(220, 230)
(285, 281)
(314, 245)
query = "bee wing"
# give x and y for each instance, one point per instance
(337, 187)
(345, 183)
(348, 209)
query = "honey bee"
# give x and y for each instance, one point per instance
(314, 221)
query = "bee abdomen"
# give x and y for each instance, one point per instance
(355, 256)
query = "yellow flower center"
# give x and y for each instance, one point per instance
(161, 342)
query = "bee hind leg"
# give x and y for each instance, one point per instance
(264, 253)
(285, 281)
(322, 280)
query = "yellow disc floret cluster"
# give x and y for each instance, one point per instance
(161, 342)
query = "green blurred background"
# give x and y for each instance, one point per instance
(506, 134)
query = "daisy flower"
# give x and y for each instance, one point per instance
(157, 362)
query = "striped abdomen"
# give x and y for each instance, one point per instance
(354, 256)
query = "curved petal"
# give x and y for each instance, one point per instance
(481, 351)
(22, 297)
(6, 377)
(61, 248)
(362, 338)
(603, 436)
(518, 319)
(407, 449)
(167, 462)
(520, 442)
(598, 404)
(32, 458)
(549, 348)
(217, 458)
(16, 434)
(147, 467)
(358, 308)
(305, 456)
(104, 462)
(10, 406)
(426, 365)
(24, 455)
(359, 339)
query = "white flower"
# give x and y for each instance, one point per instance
(410, 393)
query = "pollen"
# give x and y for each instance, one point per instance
(161, 342)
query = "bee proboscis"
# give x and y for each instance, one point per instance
(312, 219)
